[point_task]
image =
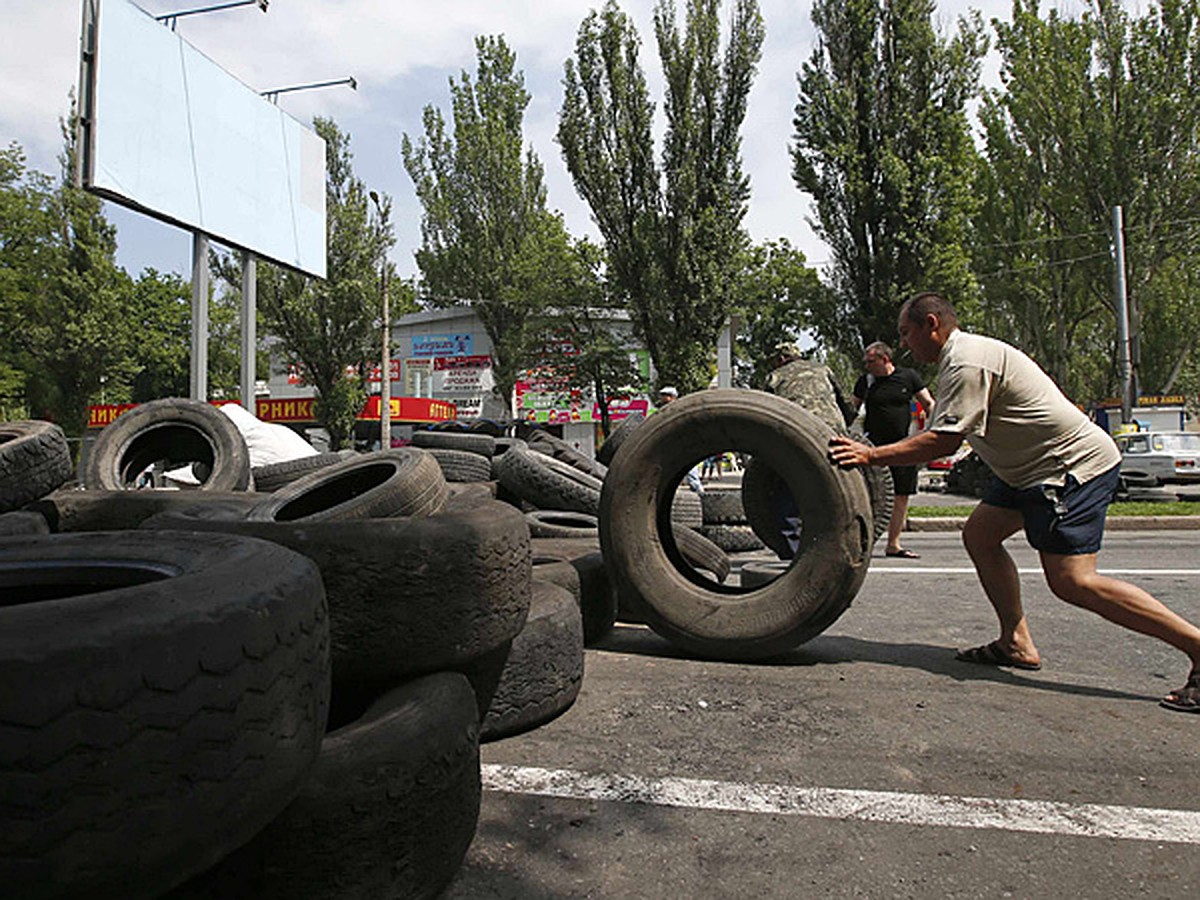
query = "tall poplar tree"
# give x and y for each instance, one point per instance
(1098, 110)
(484, 206)
(883, 146)
(673, 228)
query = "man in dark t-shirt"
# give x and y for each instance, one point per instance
(888, 392)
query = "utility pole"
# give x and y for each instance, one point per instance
(385, 371)
(1121, 307)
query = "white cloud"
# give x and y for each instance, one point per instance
(402, 54)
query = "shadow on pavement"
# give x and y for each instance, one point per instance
(834, 649)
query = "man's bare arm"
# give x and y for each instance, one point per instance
(919, 448)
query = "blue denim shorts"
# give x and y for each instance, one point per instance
(1067, 520)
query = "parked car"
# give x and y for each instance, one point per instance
(1153, 458)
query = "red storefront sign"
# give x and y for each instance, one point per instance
(412, 409)
(101, 414)
(300, 409)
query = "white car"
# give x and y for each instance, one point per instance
(1151, 458)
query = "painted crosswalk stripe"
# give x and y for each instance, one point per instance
(1133, 823)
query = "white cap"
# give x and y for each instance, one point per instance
(669, 391)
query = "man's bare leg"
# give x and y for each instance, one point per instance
(984, 535)
(1075, 580)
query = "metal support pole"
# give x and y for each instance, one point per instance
(385, 374)
(725, 355)
(199, 361)
(249, 329)
(1121, 307)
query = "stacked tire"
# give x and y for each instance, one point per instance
(654, 578)
(347, 641)
(725, 522)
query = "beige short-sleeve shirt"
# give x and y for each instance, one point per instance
(1014, 416)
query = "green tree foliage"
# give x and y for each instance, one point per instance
(585, 345)
(1097, 111)
(162, 312)
(484, 205)
(883, 145)
(777, 296)
(330, 329)
(65, 302)
(672, 229)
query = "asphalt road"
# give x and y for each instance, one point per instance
(867, 763)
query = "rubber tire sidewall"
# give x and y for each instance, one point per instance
(698, 615)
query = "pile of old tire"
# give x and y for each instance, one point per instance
(548, 475)
(463, 455)
(162, 698)
(721, 621)
(725, 521)
(441, 638)
(437, 636)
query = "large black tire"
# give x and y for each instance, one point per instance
(624, 428)
(69, 510)
(723, 508)
(692, 612)
(700, 552)
(380, 485)
(688, 509)
(544, 442)
(407, 596)
(583, 574)
(732, 538)
(466, 442)
(273, 476)
(34, 460)
(468, 494)
(389, 810)
(162, 697)
(544, 668)
(555, 523)
(461, 466)
(882, 491)
(548, 483)
(174, 432)
(26, 521)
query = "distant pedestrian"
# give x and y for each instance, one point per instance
(888, 392)
(1055, 473)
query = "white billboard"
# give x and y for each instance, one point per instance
(172, 134)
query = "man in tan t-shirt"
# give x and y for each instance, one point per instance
(1056, 473)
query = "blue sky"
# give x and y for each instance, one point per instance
(402, 55)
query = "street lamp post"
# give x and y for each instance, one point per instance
(385, 371)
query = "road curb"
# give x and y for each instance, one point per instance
(1113, 523)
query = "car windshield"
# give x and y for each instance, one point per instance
(1184, 442)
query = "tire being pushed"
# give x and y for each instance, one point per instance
(162, 698)
(694, 612)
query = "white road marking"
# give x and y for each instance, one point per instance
(967, 570)
(1133, 823)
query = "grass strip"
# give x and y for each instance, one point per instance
(1123, 508)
